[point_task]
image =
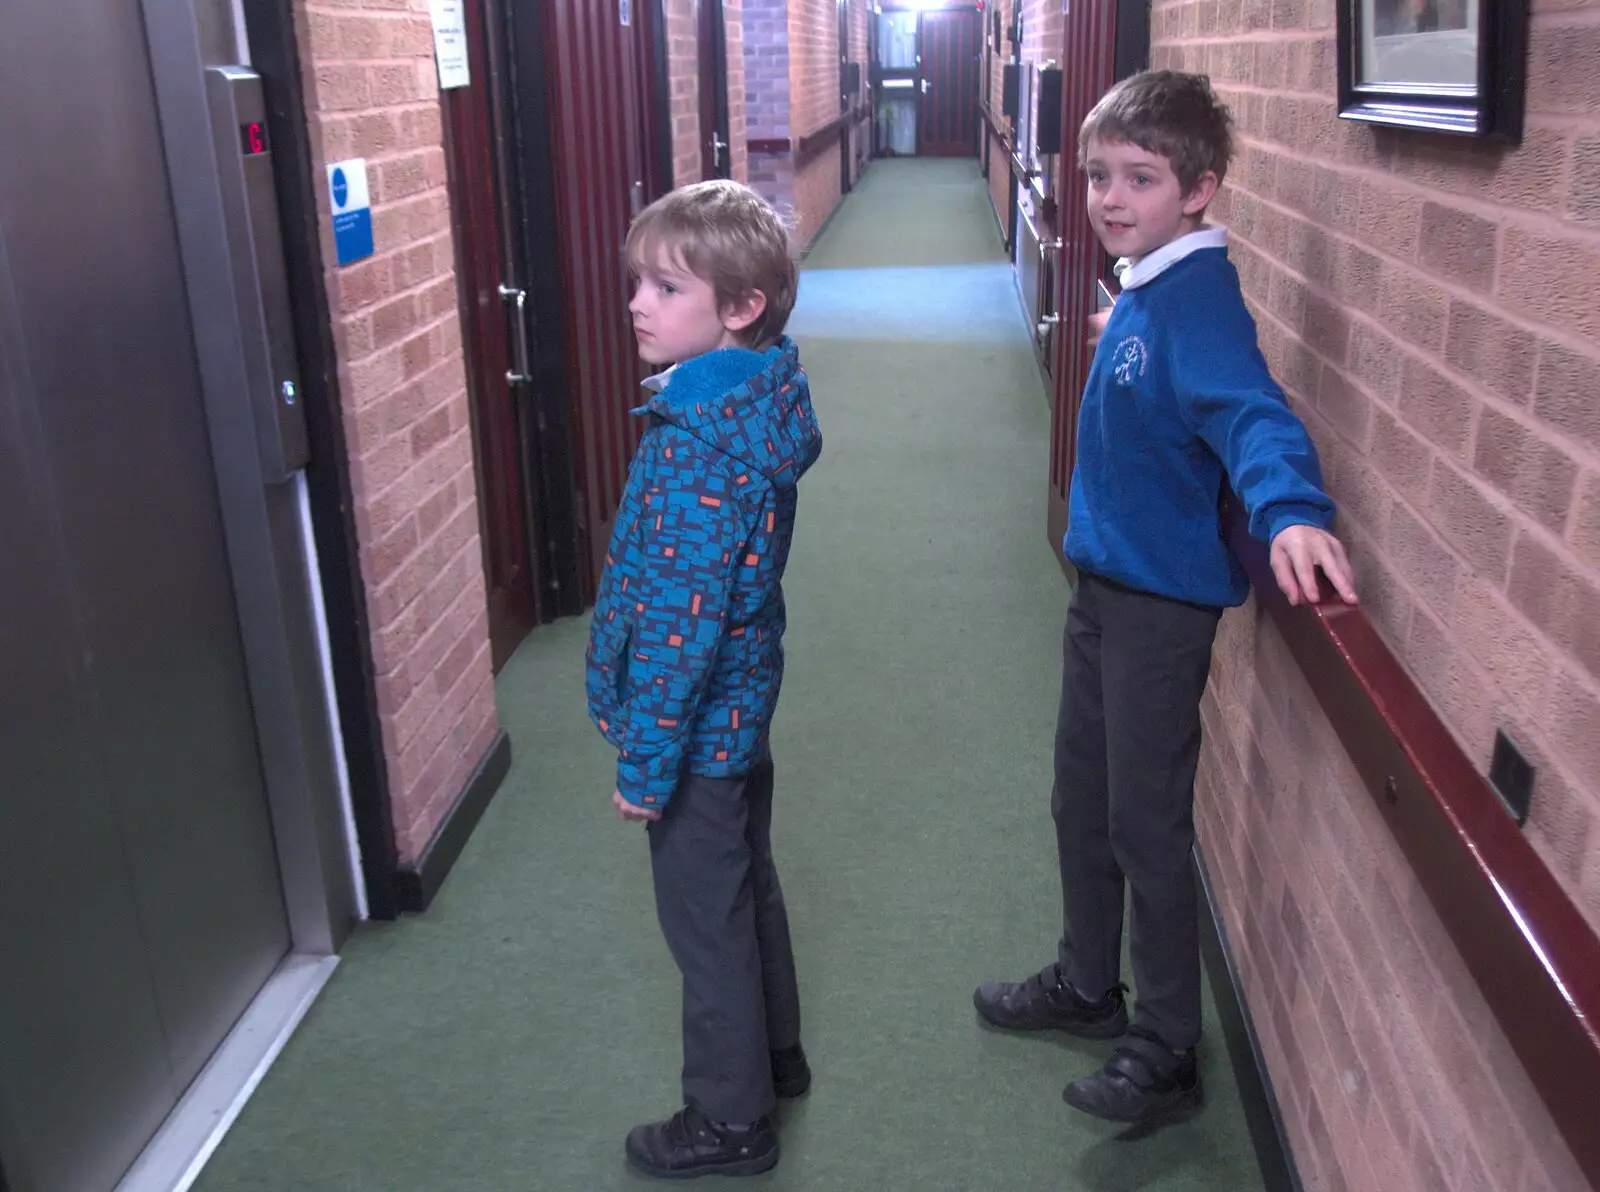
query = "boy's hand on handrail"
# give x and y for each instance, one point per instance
(1298, 551)
(629, 813)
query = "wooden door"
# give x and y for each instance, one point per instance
(948, 123)
(605, 159)
(1101, 44)
(716, 157)
(495, 369)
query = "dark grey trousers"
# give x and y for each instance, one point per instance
(722, 912)
(1127, 748)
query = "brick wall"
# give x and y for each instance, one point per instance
(766, 90)
(861, 18)
(765, 30)
(738, 126)
(791, 60)
(813, 102)
(683, 88)
(998, 56)
(1044, 28)
(813, 64)
(1428, 304)
(372, 91)
(817, 191)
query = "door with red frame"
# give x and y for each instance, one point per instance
(585, 87)
(950, 50)
(716, 156)
(496, 381)
(1101, 43)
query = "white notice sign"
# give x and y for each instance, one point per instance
(450, 42)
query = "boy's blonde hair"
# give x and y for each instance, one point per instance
(1168, 112)
(728, 235)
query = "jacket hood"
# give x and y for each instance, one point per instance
(753, 406)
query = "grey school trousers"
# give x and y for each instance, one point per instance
(1127, 748)
(721, 910)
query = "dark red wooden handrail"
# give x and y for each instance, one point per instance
(805, 144)
(1531, 951)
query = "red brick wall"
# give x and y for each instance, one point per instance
(738, 131)
(861, 18)
(1044, 29)
(817, 191)
(766, 65)
(372, 91)
(1428, 304)
(813, 102)
(683, 87)
(765, 35)
(998, 55)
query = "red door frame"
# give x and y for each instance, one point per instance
(505, 512)
(608, 158)
(1089, 65)
(716, 155)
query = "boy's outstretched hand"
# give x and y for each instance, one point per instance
(1298, 551)
(627, 811)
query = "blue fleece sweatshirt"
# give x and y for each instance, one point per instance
(686, 642)
(1178, 404)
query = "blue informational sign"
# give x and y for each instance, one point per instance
(352, 209)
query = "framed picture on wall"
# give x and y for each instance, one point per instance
(1453, 66)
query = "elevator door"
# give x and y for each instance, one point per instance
(141, 907)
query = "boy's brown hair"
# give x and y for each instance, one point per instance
(1168, 112)
(728, 235)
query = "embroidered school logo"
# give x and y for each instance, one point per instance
(1130, 360)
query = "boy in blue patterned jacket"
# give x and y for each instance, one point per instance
(1178, 405)
(686, 654)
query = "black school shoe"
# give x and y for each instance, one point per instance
(791, 1075)
(1143, 1083)
(688, 1144)
(1044, 1002)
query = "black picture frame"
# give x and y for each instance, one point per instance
(1492, 107)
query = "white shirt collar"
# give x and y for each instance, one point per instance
(1152, 265)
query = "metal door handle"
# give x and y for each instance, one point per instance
(717, 144)
(1048, 246)
(635, 200)
(518, 373)
(924, 86)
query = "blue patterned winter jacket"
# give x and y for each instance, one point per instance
(686, 644)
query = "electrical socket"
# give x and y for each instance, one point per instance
(1511, 775)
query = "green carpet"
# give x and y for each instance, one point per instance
(508, 1039)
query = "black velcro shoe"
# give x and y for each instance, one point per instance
(1044, 1002)
(1142, 1083)
(791, 1075)
(689, 1144)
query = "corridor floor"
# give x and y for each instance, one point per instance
(508, 1039)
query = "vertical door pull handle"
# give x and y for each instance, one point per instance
(517, 374)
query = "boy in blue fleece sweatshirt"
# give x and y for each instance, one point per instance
(686, 654)
(1178, 404)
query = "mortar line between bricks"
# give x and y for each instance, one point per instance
(1266, 312)
(1559, 653)
(1553, 542)
(1585, 455)
(1575, 341)
(412, 291)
